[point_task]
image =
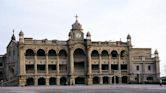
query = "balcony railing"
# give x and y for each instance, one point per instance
(95, 71)
(52, 71)
(30, 71)
(105, 71)
(41, 71)
(63, 72)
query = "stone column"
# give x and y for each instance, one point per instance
(101, 79)
(89, 67)
(46, 64)
(120, 79)
(22, 60)
(35, 64)
(57, 65)
(71, 60)
(58, 80)
(119, 64)
(110, 80)
(109, 64)
(100, 66)
(143, 70)
(47, 81)
(36, 81)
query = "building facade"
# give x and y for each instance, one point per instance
(78, 60)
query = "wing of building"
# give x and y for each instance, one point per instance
(78, 60)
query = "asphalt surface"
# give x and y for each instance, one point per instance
(87, 89)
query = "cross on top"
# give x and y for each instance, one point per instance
(76, 17)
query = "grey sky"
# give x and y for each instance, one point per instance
(144, 20)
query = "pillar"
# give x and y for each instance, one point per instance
(101, 79)
(58, 80)
(36, 81)
(109, 64)
(47, 81)
(47, 64)
(71, 60)
(57, 65)
(89, 82)
(35, 64)
(110, 80)
(100, 66)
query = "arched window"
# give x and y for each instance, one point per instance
(104, 54)
(95, 54)
(123, 53)
(62, 54)
(51, 52)
(114, 54)
(29, 52)
(40, 52)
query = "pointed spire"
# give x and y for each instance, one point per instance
(128, 36)
(13, 37)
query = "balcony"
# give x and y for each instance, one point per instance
(52, 71)
(95, 71)
(105, 71)
(63, 72)
(30, 71)
(41, 71)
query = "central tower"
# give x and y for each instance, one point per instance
(76, 33)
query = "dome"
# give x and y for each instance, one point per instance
(88, 34)
(156, 52)
(128, 36)
(21, 33)
(76, 25)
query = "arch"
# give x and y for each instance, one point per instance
(41, 81)
(63, 81)
(125, 79)
(80, 80)
(52, 53)
(41, 52)
(105, 80)
(104, 54)
(62, 54)
(96, 80)
(30, 81)
(95, 54)
(123, 53)
(52, 81)
(114, 54)
(79, 55)
(29, 52)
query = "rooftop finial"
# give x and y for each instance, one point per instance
(13, 31)
(76, 17)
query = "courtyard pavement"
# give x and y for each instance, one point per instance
(87, 89)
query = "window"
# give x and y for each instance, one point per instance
(149, 67)
(137, 68)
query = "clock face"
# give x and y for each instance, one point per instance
(78, 35)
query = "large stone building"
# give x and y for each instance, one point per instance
(78, 60)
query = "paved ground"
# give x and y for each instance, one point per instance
(87, 89)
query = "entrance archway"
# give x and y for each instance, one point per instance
(105, 80)
(63, 81)
(52, 81)
(41, 81)
(96, 80)
(79, 61)
(80, 80)
(30, 81)
(124, 79)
